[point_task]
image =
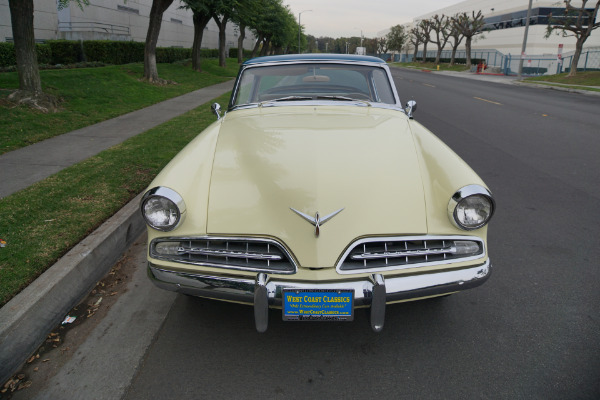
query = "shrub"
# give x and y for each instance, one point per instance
(171, 54)
(233, 53)
(65, 51)
(44, 53)
(7, 54)
(113, 52)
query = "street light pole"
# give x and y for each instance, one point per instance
(520, 76)
(300, 28)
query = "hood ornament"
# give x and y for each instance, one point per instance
(317, 221)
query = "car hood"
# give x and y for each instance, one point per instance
(316, 160)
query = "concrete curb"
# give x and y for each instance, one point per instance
(556, 87)
(27, 319)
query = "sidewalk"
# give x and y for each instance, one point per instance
(28, 318)
(513, 80)
(24, 167)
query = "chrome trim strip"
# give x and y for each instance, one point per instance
(406, 253)
(311, 103)
(464, 192)
(232, 254)
(279, 245)
(397, 106)
(396, 288)
(169, 194)
(408, 266)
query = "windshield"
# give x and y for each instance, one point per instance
(314, 81)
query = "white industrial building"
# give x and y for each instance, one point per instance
(117, 20)
(506, 21)
(500, 45)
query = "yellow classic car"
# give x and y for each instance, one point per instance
(317, 193)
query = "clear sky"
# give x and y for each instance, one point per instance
(346, 18)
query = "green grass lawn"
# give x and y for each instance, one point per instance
(432, 66)
(41, 223)
(92, 95)
(589, 78)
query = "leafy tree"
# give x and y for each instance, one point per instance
(441, 29)
(30, 83)
(396, 38)
(577, 22)
(371, 45)
(201, 15)
(284, 34)
(425, 28)
(469, 26)
(155, 21)
(222, 10)
(415, 38)
(457, 37)
(276, 26)
(245, 15)
(382, 45)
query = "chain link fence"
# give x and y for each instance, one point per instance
(508, 64)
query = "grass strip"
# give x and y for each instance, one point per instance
(41, 223)
(550, 84)
(431, 66)
(92, 95)
(584, 78)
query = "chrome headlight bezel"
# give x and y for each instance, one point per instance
(171, 196)
(463, 194)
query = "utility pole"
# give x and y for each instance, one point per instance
(520, 76)
(300, 28)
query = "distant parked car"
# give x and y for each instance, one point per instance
(317, 193)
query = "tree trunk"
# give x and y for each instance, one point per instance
(21, 16)
(576, 55)
(222, 24)
(200, 22)
(468, 51)
(156, 13)
(241, 44)
(453, 58)
(265, 48)
(257, 45)
(416, 52)
(424, 52)
(438, 55)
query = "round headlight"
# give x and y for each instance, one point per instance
(162, 208)
(471, 207)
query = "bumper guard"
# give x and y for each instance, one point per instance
(265, 291)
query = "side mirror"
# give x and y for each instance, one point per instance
(216, 109)
(411, 107)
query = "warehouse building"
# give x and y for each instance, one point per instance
(117, 20)
(505, 25)
(500, 44)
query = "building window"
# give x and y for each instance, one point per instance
(128, 9)
(176, 21)
(539, 16)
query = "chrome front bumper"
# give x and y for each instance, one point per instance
(266, 291)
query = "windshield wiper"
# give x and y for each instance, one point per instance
(344, 98)
(287, 98)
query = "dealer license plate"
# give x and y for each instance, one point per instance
(318, 305)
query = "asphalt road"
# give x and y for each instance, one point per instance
(531, 332)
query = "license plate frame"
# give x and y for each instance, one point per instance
(317, 304)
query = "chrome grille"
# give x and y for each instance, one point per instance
(259, 255)
(409, 252)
